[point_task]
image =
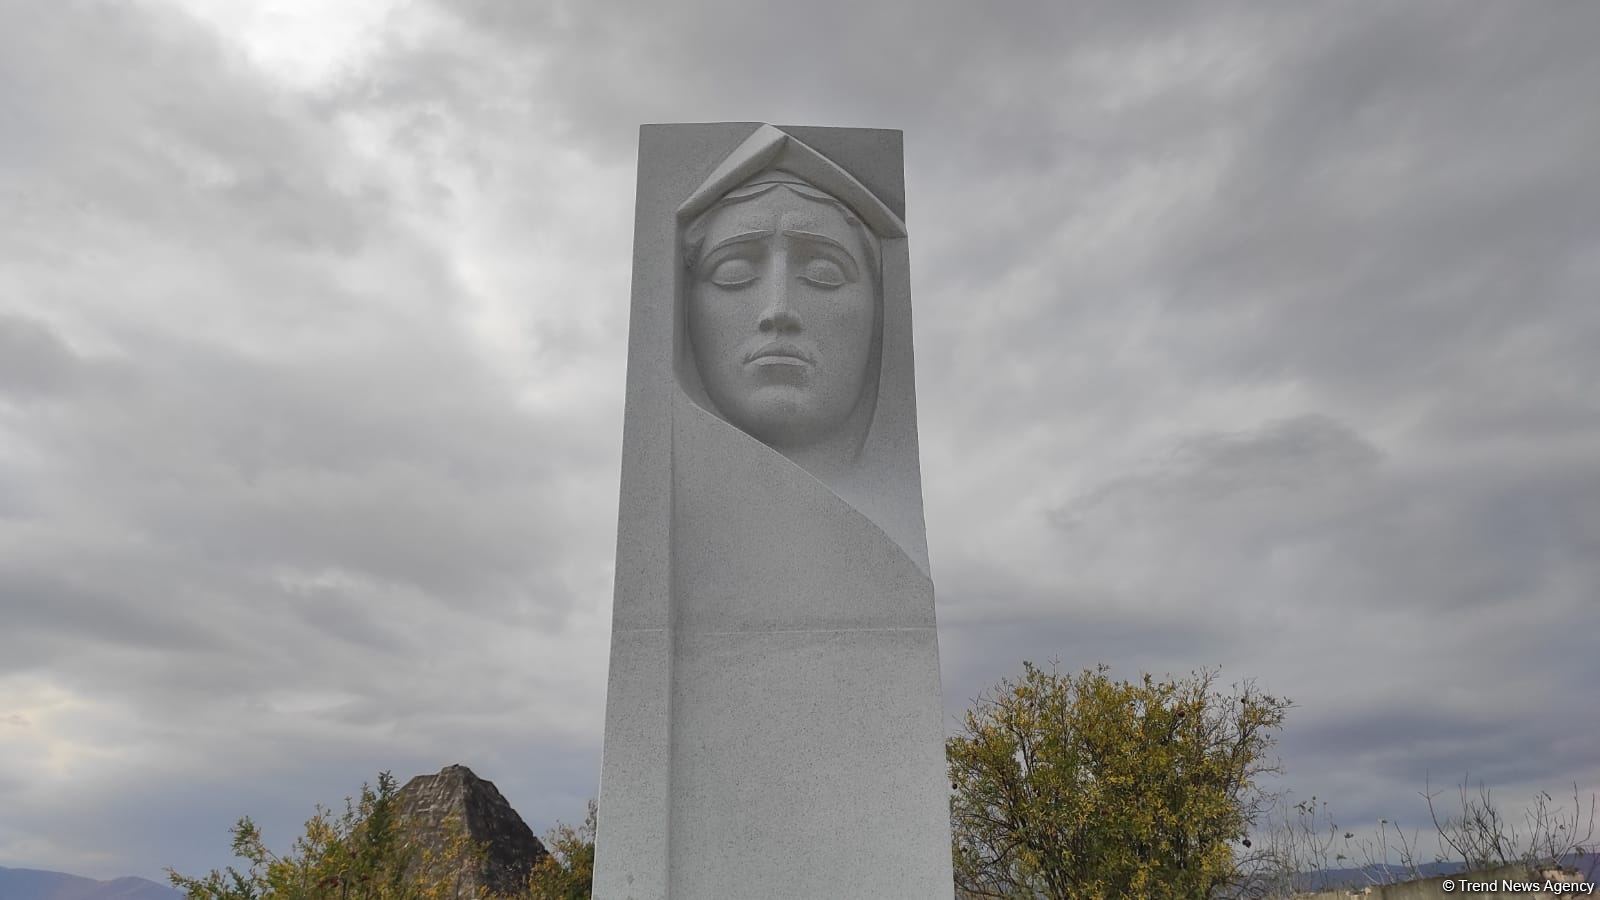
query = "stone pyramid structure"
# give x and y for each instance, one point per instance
(428, 802)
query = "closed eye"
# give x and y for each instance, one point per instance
(733, 272)
(823, 272)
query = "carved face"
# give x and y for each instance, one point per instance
(781, 309)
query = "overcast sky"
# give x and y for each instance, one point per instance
(1256, 335)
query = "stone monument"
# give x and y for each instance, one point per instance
(429, 809)
(773, 717)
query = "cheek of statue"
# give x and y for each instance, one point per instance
(781, 327)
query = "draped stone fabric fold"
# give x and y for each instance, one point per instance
(773, 722)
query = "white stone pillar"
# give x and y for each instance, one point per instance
(773, 719)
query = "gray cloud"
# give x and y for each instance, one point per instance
(33, 358)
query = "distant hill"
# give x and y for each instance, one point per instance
(36, 884)
(1327, 879)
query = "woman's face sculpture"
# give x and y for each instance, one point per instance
(782, 305)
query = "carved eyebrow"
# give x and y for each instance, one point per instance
(741, 238)
(820, 239)
(850, 261)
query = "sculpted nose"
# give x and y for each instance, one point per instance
(779, 316)
(780, 320)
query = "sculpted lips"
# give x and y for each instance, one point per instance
(779, 353)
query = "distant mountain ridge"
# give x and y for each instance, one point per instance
(1586, 863)
(37, 884)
